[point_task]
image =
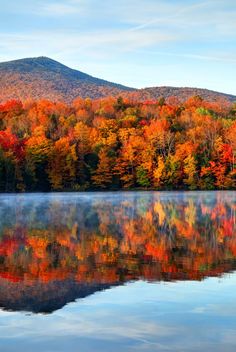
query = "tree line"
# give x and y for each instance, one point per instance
(117, 143)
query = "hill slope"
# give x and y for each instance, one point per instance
(182, 94)
(42, 77)
(39, 78)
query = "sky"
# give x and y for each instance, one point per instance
(138, 43)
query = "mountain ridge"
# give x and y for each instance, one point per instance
(35, 63)
(44, 78)
(183, 93)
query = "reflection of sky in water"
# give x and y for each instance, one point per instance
(180, 316)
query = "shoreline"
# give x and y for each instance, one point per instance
(121, 191)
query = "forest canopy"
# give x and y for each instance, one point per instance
(117, 143)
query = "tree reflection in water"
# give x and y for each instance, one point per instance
(56, 248)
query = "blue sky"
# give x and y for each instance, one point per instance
(138, 43)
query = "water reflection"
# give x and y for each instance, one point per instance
(59, 247)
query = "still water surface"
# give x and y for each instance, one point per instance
(137, 271)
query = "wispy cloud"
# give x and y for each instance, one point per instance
(85, 43)
(175, 13)
(179, 17)
(57, 9)
(230, 58)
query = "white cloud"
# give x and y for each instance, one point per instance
(56, 9)
(85, 43)
(211, 17)
(221, 57)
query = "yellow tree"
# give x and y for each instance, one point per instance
(62, 164)
(129, 160)
(190, 171)
(38, 149)
(159, 172)
(102, 177)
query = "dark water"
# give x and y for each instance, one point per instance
(113, 272)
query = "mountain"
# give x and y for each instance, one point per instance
(39, 297)
(182, 94)
(41, 77)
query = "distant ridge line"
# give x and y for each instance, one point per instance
(44, 78)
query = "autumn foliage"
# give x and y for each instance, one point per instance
(106, 241)
(117, 144)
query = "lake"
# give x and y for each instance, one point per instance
(118, 271)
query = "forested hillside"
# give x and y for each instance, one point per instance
(180, 93)
(117, 144)
(43, 78)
